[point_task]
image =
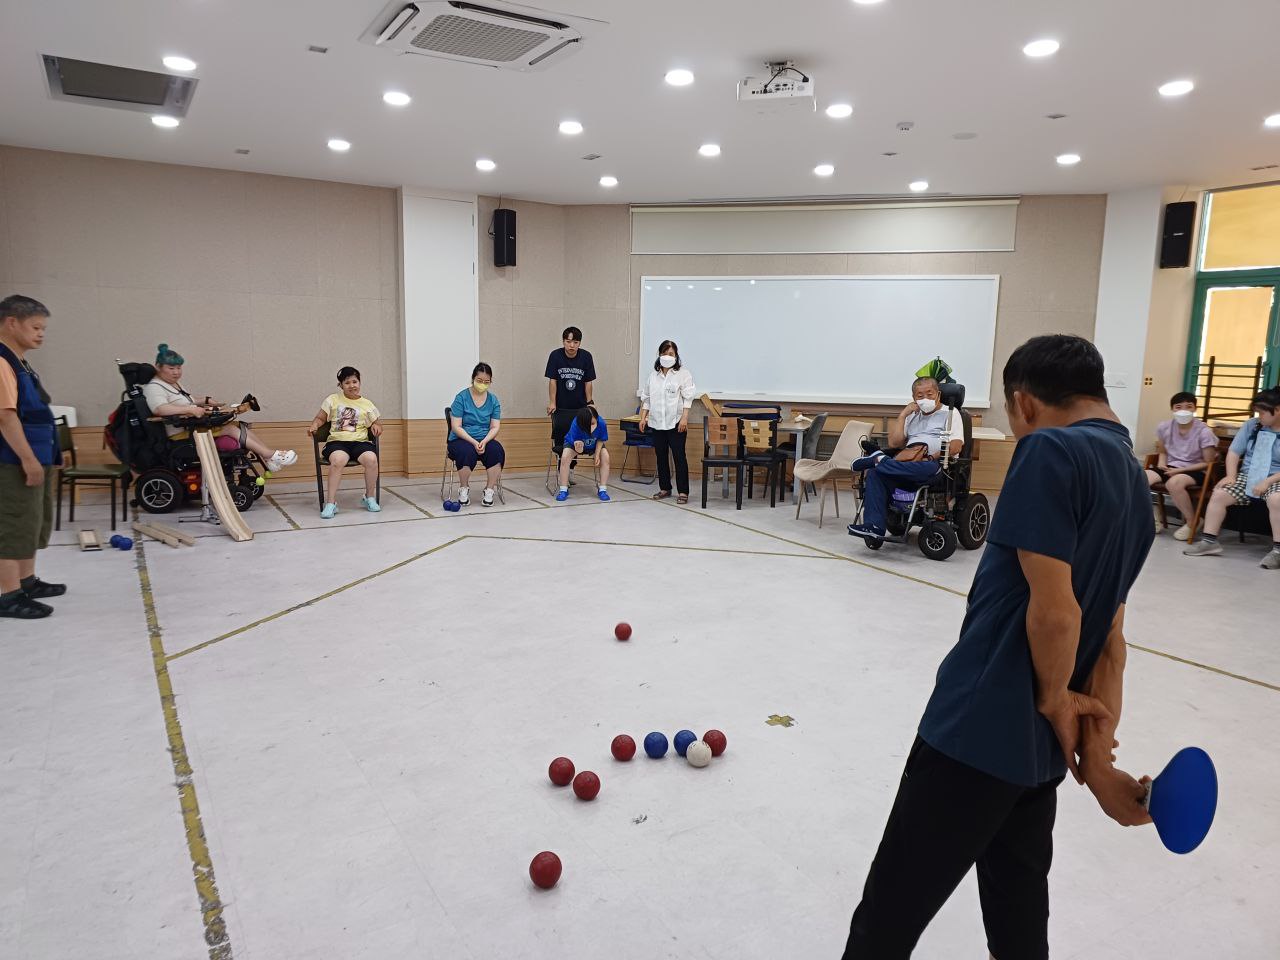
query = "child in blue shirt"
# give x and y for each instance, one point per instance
(1253, 474)
(587, 434)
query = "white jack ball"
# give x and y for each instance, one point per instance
(698, 754)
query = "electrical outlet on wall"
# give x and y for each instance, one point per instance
(1148, 381)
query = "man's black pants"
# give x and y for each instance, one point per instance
(946, 818)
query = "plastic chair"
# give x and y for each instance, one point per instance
(725, 432)
(828, 473)
(98, 475)
(319, 439)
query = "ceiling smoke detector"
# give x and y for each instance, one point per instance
(506, 36)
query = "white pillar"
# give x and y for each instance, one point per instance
(1130, 244)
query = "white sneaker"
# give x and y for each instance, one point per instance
(487, 499)
(1183, 532)
(464, 495)
(281, 459)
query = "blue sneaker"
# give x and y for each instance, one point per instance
(329, 510)
(370, 504)
(603, 495)
(867, 462)
(865, 531)
(562, 496)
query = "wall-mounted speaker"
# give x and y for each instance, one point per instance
(1177, 237)
(504, 238)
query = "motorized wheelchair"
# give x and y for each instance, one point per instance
(167, 470)
(945, 510)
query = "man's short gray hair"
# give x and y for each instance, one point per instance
(921, 381)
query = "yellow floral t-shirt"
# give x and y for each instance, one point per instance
(349, 420)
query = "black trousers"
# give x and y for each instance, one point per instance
(671, 440)
(560, 421)
(946, 818)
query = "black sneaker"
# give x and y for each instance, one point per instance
(869, 446)
(39, 589)
(24, 608)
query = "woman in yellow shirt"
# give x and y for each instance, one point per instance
(351, 418)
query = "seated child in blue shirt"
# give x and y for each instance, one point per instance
(587, 434)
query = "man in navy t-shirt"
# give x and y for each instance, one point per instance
(1033, 686)
(570, 375)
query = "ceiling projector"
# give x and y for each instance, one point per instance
(784, 87)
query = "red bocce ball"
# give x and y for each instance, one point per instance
(545, 869)
(586, 785)
(560, 771)
(716, 741)
(623, 747)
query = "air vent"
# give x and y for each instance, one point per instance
(501, 35)
(105, 85)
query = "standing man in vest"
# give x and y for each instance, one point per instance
(923, 423)
(28, 453)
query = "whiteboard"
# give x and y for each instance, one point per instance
(822, 339)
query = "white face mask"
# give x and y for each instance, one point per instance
(667, 362)
(926, 405)
(1184, 416)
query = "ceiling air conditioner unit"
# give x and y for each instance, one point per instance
(507, 36)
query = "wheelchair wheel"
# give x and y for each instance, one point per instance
(938, 539)
(158, 491)
(973, 522)
(873, 544)
(896, 523)
(241, 496)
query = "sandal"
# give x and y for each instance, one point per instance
(683, 498)
(662, 494)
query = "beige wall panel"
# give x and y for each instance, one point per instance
(927, 264)
(213, 208)
(1020, 275)
(538, 279)
(6, 227)
(48, 198)
(391, 389)
(816, 264)
(347, 248)
(388, 246)
(136, 238)
(350, 334)
(76, 367)
(615, 386)
(535, 332)
(597, 269)
(288, 356)
(496, 348)
(879, 264)
(283, 245)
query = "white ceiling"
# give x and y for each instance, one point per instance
(949, 66)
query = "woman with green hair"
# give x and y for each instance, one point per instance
(166, 397)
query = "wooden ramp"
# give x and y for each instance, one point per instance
(216, 484)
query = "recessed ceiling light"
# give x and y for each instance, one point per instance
(1041, 48)
(838, 111)
(160, 120)
(179, 63)
(867, 3)
(608, 181)
(395, 98)
(709, 150)
(1272, 121)
(918, 186)
(824, 169)
(1068, 159)
(679, 78)
(1176, 88)
(571, 127)
(485, 166)
(339, 146)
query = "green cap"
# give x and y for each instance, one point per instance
(167, 356)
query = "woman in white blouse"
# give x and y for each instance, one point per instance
(665, 399)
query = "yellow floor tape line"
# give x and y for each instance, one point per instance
(215, 927)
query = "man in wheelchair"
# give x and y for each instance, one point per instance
(923, 479)
(166, 398)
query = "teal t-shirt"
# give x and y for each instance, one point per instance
(475, 421)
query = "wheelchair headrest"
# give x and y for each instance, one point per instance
(952, 394)
(136, 374)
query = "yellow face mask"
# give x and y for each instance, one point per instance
(479, 387)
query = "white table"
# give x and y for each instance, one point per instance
(797, 431)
